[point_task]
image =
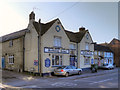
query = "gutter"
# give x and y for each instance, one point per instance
(39, 50)
(77, 54)
(23, 53)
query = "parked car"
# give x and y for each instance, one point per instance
(67, 70)
(107, 66)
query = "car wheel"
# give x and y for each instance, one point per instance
(67, 74)
(79, 72)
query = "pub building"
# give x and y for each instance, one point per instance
(45, 46)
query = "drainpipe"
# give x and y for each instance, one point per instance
(23, 53)
(77, 55)
(39, 50)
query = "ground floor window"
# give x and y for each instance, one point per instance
(110, 61)
(86, 60)
(56, 60)
(11, 59)
(96, 61)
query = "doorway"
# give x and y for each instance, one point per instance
(72, 60)
(3, 62)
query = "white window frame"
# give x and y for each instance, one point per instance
(87, 46)
(60, 60)
(11, 59)
(57, 41)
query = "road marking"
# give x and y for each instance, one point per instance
(61, 84)
(102, 81)
(33, 86)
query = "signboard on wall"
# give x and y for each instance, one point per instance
(47, 62)
(56, 50)
(86, 52)
(36, 62)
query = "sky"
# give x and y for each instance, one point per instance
(100, 18)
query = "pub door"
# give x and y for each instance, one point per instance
(72, 60)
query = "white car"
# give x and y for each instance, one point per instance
(107, 66)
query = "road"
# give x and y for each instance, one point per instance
(107, 80)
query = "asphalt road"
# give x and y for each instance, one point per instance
(107, 80)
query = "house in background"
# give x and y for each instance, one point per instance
(102, 55)
(114, 45)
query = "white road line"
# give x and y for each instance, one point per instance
(30, 86)
(102, 81)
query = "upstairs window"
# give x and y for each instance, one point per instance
(87, 46)
(10, 43)
(57, 41)
(72, 46)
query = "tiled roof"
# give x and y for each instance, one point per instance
(101, 48)
(73, 36)
(44, 27)
(76, 37)
(14, 35)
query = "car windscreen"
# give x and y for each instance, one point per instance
(62, 67)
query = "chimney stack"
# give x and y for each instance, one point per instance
(32, 16)
(81, 28)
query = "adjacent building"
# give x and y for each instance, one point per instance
(103, 55)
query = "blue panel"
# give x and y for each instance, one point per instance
(47, 62)
(3, 62)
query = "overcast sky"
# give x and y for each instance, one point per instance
(100, 18)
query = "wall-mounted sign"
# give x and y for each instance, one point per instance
(86, 52)
(36, 62)
(56, 50)
(57, 28)
(47, 62)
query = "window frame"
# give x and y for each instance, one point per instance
(88, 63)
(57, 41)
(11, 59)
(10, 43)
(60, 60)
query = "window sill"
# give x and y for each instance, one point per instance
(11, 63)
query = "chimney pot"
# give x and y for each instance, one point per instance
(81, 28)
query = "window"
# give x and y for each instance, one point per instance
(72, 46)
(87, 61)
(57, 41)
(95, 52)
(11, 43)
(56, 60)
(11, 59)
(87, 46)
(99, 53)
